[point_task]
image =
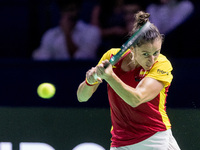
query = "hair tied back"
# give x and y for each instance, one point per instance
(141, 18)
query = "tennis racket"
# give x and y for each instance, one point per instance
(130, 42)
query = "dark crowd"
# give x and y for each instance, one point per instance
(85, 29)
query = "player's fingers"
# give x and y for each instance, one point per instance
(99, 80)
(99, 69)
(90, 74)
(100, 66)
(105, 63)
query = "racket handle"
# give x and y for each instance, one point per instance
(106, 65)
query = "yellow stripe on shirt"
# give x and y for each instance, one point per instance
(162, 109)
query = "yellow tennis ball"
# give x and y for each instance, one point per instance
(46, 90)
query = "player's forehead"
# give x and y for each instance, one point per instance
(150, 46)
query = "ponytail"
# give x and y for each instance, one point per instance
(150, 35)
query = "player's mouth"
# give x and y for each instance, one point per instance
(148, 66)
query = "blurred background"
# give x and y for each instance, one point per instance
(57, 41)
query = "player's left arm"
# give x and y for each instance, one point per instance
(146, 90)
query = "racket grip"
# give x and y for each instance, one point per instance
(106, 65)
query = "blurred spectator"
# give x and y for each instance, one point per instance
(87, 9)
(130, 8)
(115, 19)
(72, 39)
(109, 18)
(168, 14)
(183, 42)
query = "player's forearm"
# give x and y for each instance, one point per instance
(84, 91)
(128, 94)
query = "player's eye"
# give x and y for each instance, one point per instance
(145, 54)
(156, 53)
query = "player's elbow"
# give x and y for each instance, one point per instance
(136, 101)
(135, 104)
(140, 99)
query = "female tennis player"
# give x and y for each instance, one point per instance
(137, 91)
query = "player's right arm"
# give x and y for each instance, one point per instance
(85, 90)
(89, 86)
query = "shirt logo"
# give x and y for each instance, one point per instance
(162, 72)
(141, 75)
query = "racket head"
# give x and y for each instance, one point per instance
(131, 41)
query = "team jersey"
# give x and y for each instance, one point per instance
(132, 125)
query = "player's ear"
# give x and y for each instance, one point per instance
(132, 48)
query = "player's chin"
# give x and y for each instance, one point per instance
(147, 67)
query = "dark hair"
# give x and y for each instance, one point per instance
(68, 5)
(151, 34)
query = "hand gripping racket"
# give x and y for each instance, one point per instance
(131, 42)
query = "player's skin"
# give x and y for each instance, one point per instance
(146, 90)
